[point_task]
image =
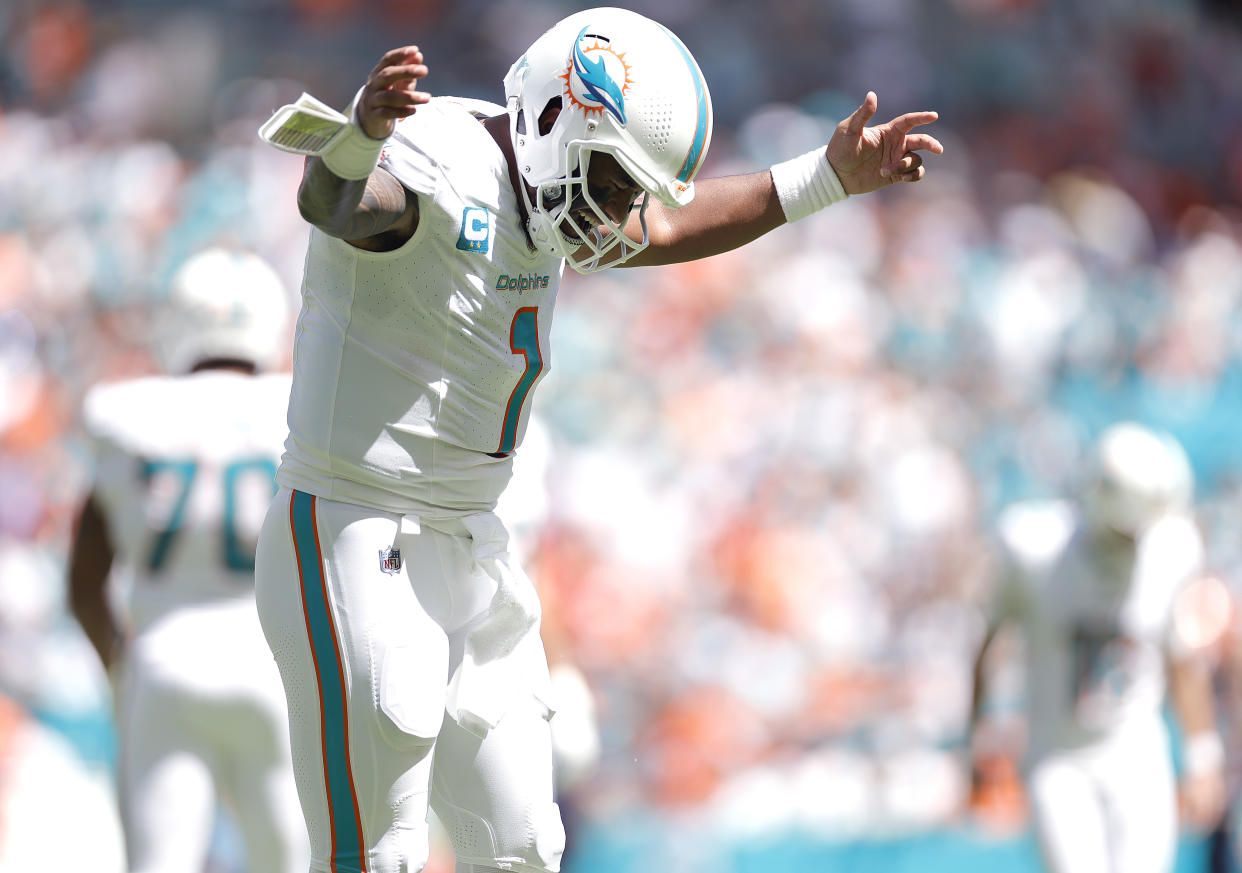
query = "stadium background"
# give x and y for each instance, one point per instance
(762, 533)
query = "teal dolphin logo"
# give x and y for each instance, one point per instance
(598, 84)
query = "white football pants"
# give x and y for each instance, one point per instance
(201, 717)
(366, 643)
(1109, 808)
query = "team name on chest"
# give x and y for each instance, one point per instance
(476, 233)
(525, 282)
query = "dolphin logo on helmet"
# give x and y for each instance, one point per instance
(597, 83)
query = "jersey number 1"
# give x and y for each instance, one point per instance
(524, 341)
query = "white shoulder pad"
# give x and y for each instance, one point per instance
(109, 408)
(443, 133)
(1176, 542)
(1036, 532)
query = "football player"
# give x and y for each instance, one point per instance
(184, 471)
(1096, 588)
(406, 633)
(45, 784)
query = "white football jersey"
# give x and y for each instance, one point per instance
(185, 471)
(414, 369)
(1097, 624)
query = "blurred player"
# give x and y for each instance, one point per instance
(44, 785)
(185, 467)
(1217, 623)
(1096, 589)
(406, 633)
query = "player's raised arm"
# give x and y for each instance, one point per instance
(730, 211)
(343, 192)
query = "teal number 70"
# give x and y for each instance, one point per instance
(235, 554)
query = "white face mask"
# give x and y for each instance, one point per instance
(565, 220)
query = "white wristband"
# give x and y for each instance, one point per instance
(1203, 752)
(807, 184)
(353, 155)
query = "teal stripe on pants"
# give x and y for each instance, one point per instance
(348, 848)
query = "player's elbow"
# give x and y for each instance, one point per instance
(325, 220)
(662, 227)
(313, 210)
(86, 595)
(321, 201)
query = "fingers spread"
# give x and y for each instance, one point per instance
(908, 169)
(406, 54)
(385, 105)
(903, 124)
(923, 142)
(389, 76)
(858, 120)
(399, 98)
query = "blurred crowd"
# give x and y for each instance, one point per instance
(759, 494)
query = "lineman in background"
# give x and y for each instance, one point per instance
(184, 471)
(1096, 590)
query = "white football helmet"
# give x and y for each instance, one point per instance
(1137, 476)
(223, 304)
(626, 86)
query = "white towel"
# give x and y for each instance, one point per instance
(503, 659)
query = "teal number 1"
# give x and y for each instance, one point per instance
(524, 341)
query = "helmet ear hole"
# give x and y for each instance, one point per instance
(551, 110)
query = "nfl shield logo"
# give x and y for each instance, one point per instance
(390, 560)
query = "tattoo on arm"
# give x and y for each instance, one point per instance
(352, 208)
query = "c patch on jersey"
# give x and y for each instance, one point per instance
(475, 229)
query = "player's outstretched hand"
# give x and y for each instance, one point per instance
(1202, 797)
(391, 91)
(867, 158)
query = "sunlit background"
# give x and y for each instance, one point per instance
(759, 494)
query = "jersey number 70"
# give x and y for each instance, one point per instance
(236, 551)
